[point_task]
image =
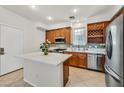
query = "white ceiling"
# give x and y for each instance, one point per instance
(60, 13)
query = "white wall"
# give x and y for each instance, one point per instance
(32, 36)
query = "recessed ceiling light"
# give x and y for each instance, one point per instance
(33, 6)
(75, 10)
(49, 18)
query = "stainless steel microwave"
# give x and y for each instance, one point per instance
(59, 40)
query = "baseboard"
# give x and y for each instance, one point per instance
(30, 83)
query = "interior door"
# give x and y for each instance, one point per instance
(12, 42)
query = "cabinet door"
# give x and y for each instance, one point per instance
(82, 60)
(57, 33)
(74, 59)
(62, 32)
(78, 59)
(50, 35)
(67, 35)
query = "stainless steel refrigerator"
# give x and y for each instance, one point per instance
(114, 71)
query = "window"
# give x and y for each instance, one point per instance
(79, 36)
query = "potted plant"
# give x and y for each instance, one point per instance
(45, 46)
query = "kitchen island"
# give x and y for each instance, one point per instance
(45, 70)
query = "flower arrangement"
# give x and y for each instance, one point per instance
(45, 46)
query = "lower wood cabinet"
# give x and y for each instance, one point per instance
(65, 72)
(78, 59)
(82, 62)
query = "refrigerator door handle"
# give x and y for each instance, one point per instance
(112, 73)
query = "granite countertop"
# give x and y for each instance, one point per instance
(90, 50)
(51, 59)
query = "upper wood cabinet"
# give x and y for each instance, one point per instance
(67, 34)
(57, 32)
(61, 32)
(97, 32)
(50, 36)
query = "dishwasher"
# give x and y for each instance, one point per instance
(95, 62)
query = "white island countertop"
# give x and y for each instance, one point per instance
(51, 59)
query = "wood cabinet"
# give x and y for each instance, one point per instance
(67, 35)
(65, 72)
(57, 32)
(50, 36)
(61, 32)
(74, 59)
(78, 59)
(97, 32)
(82, 60)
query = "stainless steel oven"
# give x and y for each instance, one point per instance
(59, 40)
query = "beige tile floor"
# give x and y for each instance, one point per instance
(78, 78)
(85, 78)
(14, 79)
